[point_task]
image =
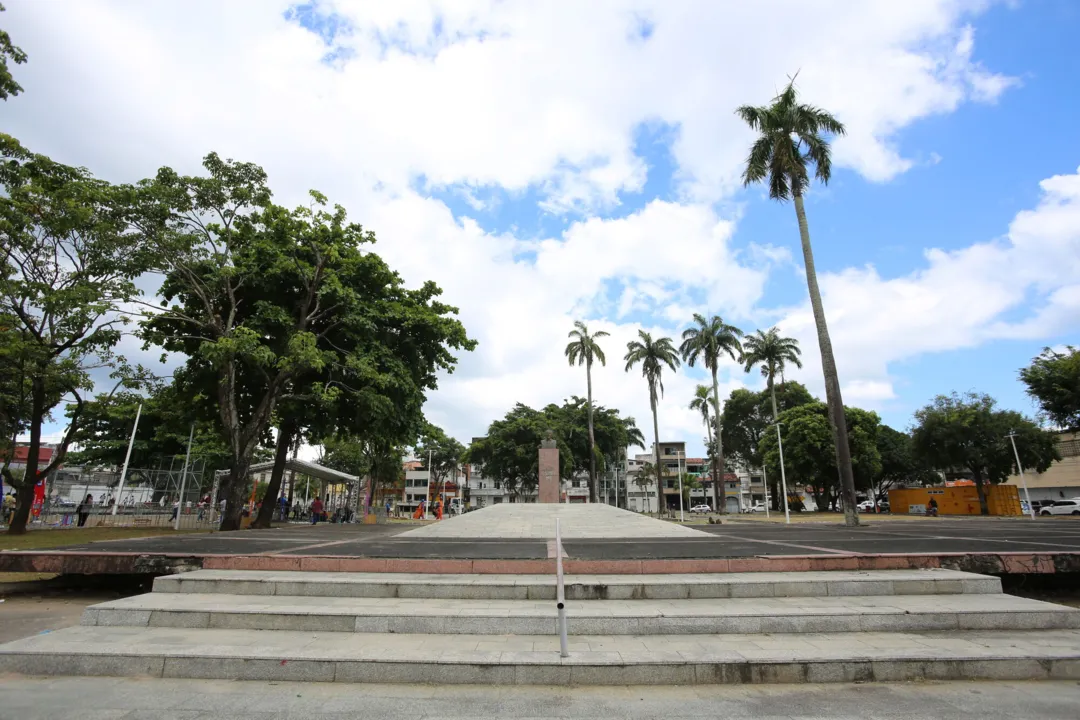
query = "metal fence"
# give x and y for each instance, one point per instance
(151, 497)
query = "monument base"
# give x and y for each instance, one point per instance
(549, 475)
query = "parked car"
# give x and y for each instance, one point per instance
(701, 509)
(1062, 507)
(755, 508)
(867, 506)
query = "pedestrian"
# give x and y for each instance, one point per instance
(175, 509)
(316, 510)
(9, 506)
(387, 508)
(84, 509)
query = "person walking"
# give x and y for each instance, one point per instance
(316, 510)
(84, 509)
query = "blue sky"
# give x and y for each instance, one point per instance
(582, 162)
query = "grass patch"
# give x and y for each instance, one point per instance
(45, 539)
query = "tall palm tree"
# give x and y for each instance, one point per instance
(773, 353)
(583, 349)
(653, 355)
(791, 136)
(703, 403)
(708, 341)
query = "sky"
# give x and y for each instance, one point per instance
(549, 162)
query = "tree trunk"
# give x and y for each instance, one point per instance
(718, 487)
(236, 485)
(984, 507)
(594, 495)
(832, 381)
(776, 503)
(660, 507)
(24, 490)
(262, 521)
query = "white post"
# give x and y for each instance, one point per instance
(127, 458)
(682, 457)
(765, 480)
(560, 596)
(1023, 478)
(430, 477)
(183, 479)
(783, 474)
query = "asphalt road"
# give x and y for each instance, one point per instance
(941, 535)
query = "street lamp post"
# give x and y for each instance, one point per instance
(783, 474)
(681, 464)
(127, 459)
(1023, 478)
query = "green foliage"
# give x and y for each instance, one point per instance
(773, 353)
(9, 52)
(444, 452)
(747, 417)
(708, 341)
(809, 454)
(967, 432)
(1053, 380)
(790, 138)
(509, 451)
(276, 306)
(67, 265)
(583, 349)
(652, 355)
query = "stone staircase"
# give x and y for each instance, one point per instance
(624, 629)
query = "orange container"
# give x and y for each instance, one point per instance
(957, 500)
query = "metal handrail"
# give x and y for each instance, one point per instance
(560, 595)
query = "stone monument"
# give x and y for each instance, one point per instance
(549, 469)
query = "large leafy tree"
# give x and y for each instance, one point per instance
(653, 355)
(9, 52)
(791, 137)
(67, 266)
(583, 350)
(255, 293)
(748, 417)
(808, 449)
(389, 350)
(708, 340)
(967, 432)
(1053, 380)
(509, 451)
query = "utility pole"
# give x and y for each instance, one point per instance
(1023, 478)
(183, 479)
(127, 458)
(430, 479)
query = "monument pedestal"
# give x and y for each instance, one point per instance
(548, 490)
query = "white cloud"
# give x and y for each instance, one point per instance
(513, 96)
(961, 299)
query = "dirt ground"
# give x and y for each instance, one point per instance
(36, 604)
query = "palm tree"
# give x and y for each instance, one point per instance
(703, 403)
(709, 340)
(641, 479)
(653, 355)
(772, 352)
(583, 349)
(791, 136)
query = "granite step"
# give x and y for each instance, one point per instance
(580, 587)
(534, 660)
(594, 617)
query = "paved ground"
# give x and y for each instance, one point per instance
(537, 522)
(940, 535)
(100, 698)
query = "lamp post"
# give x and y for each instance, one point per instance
(183, 478)
(127, 458)
(1023, 478)
(680, 464)
(783, 474)
(430, 477)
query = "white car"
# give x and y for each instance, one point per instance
(755, 508)
(1062, 507)
(701, 509)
